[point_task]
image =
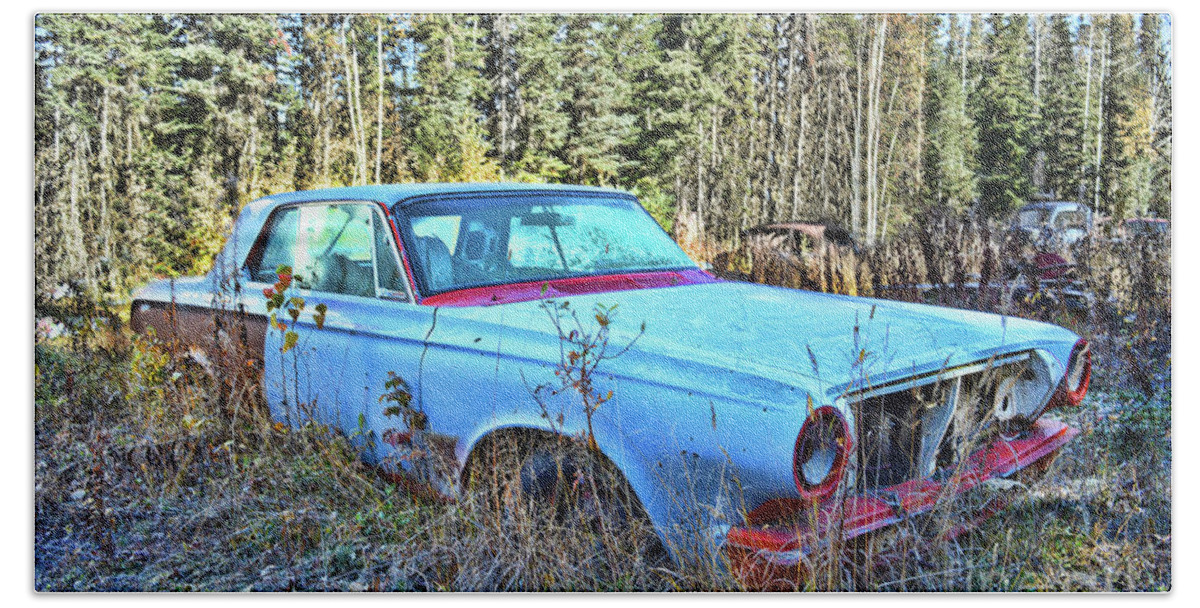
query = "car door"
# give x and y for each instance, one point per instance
(344, 256)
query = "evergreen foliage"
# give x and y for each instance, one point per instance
(1062, 111)
(151, 131)
(1005, 116)
(949, 160)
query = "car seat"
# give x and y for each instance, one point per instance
(434, 257)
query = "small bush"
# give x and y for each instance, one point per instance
(150, 476)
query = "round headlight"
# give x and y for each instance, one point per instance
(1079, 372)
(822, 450)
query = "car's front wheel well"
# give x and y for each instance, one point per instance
(485, 454)
(510, 454)
(556, 482)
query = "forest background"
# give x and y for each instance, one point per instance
(151, 131)
(920, 132)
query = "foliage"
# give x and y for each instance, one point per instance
(278, 300)
(1005, 117)
(1061, 111)
(582, 350)
(153, 130)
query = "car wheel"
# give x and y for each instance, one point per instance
(560, 485)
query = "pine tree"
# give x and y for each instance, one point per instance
(500, 69)
(1004, 115)
(597, 91)
(1062, 112)
(449, 141)
(107, 185)
(667, 122)
(541, 121)
(1156, 61)
(1126, 130)
(950, 152)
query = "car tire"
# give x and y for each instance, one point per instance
(557, 483)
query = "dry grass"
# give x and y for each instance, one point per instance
(1100, 520)
(145, 481)
(148, 477)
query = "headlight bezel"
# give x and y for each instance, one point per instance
(823, 448)
(1079, 372)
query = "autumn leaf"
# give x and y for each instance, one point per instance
(319, 316)
(289, 340)
(284, 272)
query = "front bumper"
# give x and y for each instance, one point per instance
(766, 556)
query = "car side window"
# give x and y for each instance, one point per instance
(336, 248)
(391, 277)
(334, 251)
(1067, 220)
(278, 248)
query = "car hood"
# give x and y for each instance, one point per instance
(834, 340)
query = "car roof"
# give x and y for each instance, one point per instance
(390, 194)
(255, 213)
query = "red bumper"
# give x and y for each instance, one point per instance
(764, 556)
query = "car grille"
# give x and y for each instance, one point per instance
(888, 427)
(914, 427)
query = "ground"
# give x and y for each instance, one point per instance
(146, 481)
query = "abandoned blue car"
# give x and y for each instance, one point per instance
(756, 419)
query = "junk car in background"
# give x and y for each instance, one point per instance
(1143, 228)
(757, 420)
(1054, 223)
(801, 238)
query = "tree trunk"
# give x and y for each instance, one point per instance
(379, 100)
(1087, 106)
(1100, 121)
(856, 155)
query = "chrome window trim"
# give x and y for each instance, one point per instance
(380, 293)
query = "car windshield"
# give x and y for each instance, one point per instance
(1033, 218)
(460, 243)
